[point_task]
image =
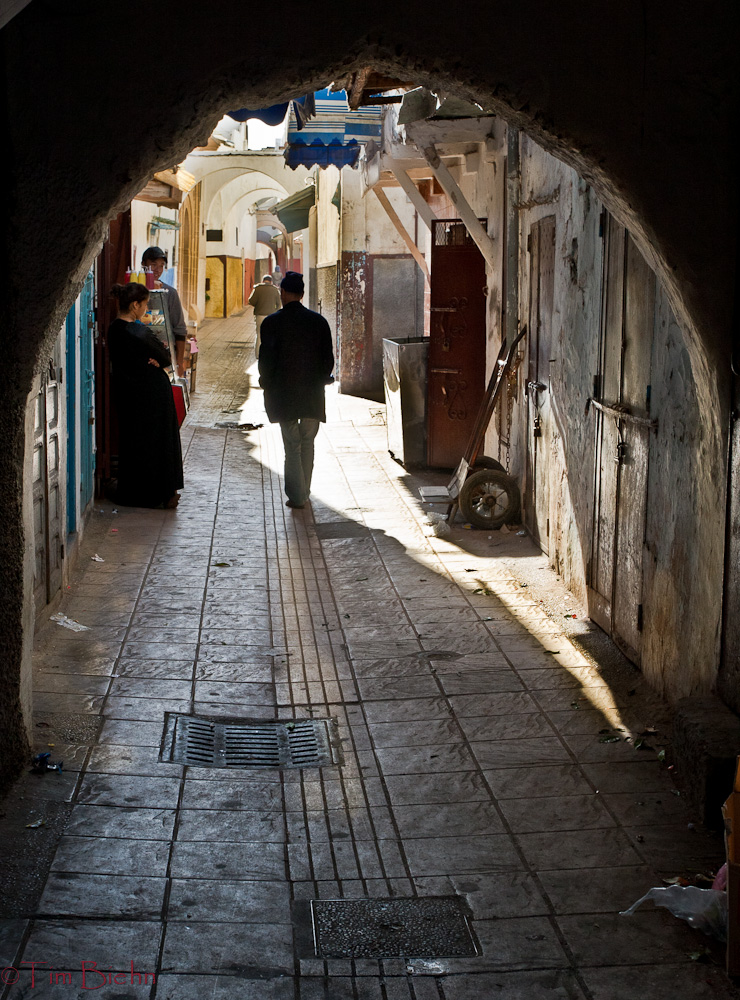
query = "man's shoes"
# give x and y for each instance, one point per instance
(295, 506)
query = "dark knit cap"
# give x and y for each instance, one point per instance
(293, 283)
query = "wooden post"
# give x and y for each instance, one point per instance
(421, 205)
(483, 241)
(401, 229)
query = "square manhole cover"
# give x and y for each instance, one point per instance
(248, 743)
(436, 927)
(341, 529)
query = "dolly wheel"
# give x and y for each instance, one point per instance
(489, 499)
(486, 463)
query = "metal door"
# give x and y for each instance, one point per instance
(541, 247)
(457, 341)
(623, 423)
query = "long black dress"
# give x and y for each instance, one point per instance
(149, 452)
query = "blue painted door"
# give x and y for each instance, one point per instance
(71, 376)
(87, 391)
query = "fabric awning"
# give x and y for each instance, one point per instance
(298, 154)
(335, 135)
(293, 211)
(303, 108)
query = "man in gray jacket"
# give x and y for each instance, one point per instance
(156, 260)
(265, 299)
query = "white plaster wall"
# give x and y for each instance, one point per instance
(248, 234)
(142, 213)
(327, 221)
(365, 224)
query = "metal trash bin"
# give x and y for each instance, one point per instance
(405, 382)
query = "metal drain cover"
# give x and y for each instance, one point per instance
(436, 927)
(248, 743)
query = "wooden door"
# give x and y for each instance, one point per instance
(47, 499)
(110, 269)
(457, 342)
(623, 426)
(541, 247)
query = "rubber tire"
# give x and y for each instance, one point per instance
(480, 483)
(487, 463)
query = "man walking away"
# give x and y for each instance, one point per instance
(295, 364)
(265, 299)
(156, 260)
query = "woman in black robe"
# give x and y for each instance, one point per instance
(149, 452)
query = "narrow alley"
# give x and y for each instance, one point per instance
(476, 759)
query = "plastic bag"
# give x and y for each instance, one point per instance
(438, 523)
(704, 909)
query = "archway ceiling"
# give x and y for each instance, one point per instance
(243, 204)
(634, 99)
(229, 165)
(249, 188)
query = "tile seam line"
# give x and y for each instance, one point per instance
(183, 777)
(513, 839)
(271, 480)
(360, 702)
(296, 541)
(83, 771)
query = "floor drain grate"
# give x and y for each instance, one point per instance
(434, 927)
(248, 743)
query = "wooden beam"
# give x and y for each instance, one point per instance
(451, 188)
(401, 229)
(417, 199)
(354, 94)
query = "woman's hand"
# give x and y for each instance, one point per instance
(152, 361)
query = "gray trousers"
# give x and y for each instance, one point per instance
(298, 438)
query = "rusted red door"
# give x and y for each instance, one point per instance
(457, 342)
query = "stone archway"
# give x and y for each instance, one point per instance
(641, 102)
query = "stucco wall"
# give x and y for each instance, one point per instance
(367, 233)
(685, 532)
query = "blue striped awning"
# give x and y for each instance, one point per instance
(303, 109)
(334, 135)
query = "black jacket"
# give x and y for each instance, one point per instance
(295, 363)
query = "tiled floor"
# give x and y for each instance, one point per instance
(471, 732)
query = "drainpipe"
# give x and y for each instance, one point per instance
(513, 197)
